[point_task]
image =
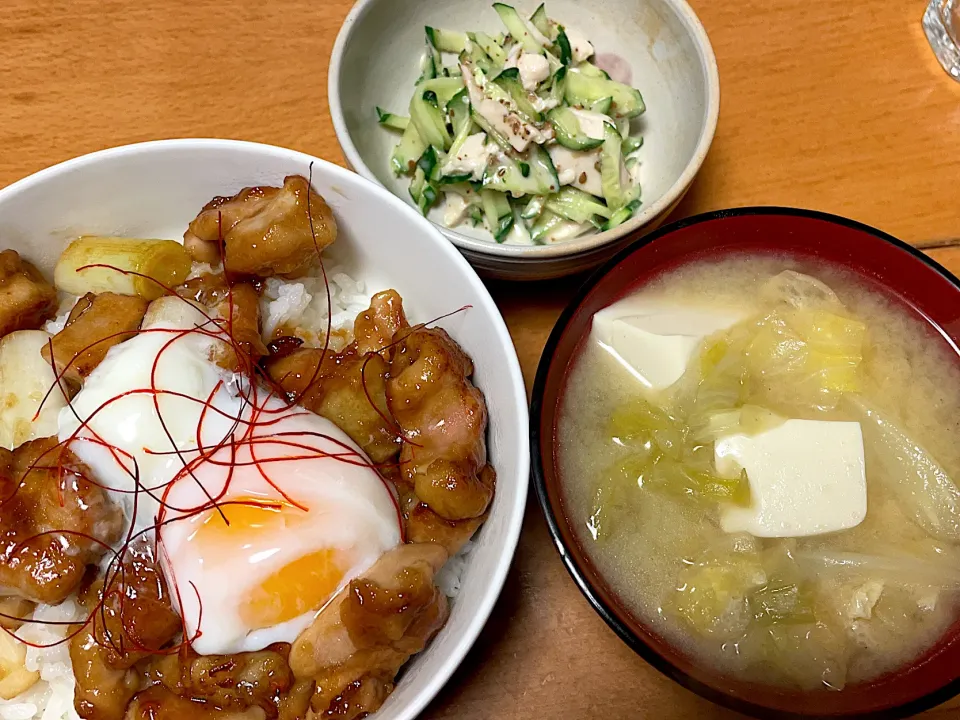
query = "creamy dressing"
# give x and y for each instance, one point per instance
(454, 210)
(534, 69)
(580, 48)
(592, 124)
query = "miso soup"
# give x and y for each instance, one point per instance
(760, 457)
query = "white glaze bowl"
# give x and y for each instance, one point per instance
(376, 59)
(154, 189)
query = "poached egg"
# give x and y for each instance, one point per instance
(262, 511)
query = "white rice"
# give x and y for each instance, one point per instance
(298, 304)
(52, 697)
(63, 312)
(301, 305)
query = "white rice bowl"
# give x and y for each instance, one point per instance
(155, 189)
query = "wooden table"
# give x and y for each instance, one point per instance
(831, 104)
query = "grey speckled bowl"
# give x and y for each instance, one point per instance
(376, 62)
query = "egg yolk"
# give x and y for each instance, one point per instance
(300, 586)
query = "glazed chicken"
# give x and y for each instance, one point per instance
(349, 387)
(12, 608)
(158, 703)
(227, 682)
(48, 511)
(27, 300)
(241, 309)
(425, 526)
(361, 639)
(96, 324)
(375, 328)
(207, 288)
(263, 231)
(131, 620)
(444, 421)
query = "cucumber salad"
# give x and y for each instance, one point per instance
(519, 132)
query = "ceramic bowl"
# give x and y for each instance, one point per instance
(154, 189)
(376, 60)
(903, 274)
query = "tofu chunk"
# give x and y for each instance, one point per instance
(656, 341)
(807, 477)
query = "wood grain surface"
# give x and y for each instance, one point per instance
(836, 105)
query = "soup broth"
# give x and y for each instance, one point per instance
(641, 487)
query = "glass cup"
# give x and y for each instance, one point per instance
(941, 23)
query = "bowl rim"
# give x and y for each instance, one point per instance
(515, 511)
(555, 518)
(577, 246)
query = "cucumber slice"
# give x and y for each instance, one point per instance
(602, 105)
(518, 28)
(443, 88)
(431, 65)
(552, 228)
(632, 144)
(540, 20)
(429, 119)
(553, 61)
(428, 198)
(490, 46)
(577, 205)
(621, 216)
(481, 60)
(389, 120)
(563, 44)
(428, 161)
(408, 151)
(567, 130)
(417, 184)
(476, 215)
(610, 161)
(509, 80)
(529, 173)
(534, 207)
(458, 112)
(542, 170)
(585, 90)
(427, 69)
(426, 193)
(492, 133)
(591, 70)
(544, 226)
(446, 40)
(497, 213)
(558, 88)
(506, 176)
